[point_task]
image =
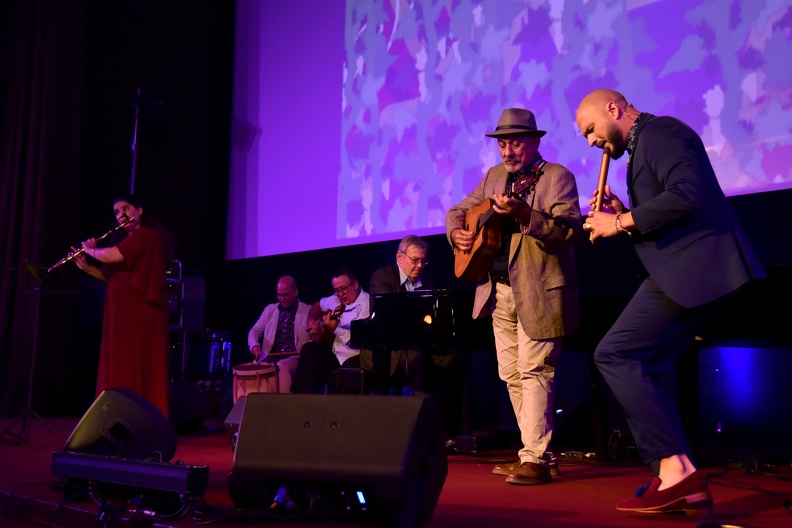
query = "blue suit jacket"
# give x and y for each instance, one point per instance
(690, 242)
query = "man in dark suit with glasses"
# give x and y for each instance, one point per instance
(408, 366)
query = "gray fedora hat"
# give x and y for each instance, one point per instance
(514, 121)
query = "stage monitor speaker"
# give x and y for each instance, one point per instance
(123, 423)
(379, 458)
(233, 420)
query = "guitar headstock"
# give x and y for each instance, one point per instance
(525, 183)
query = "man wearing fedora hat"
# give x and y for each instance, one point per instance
(530, 288)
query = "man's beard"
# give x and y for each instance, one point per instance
(613, 136)
(516, 166)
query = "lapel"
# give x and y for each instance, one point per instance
(629, 176)
(397, 286)
(498, 182)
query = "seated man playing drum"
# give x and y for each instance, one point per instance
(281, 331)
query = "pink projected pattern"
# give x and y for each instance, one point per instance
(423, 81)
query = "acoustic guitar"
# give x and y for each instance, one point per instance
(487, 225)
(324, 335)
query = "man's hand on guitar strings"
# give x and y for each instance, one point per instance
(462, 239)
(314, 327)
(506, 205)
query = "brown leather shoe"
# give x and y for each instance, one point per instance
(507, 469)
(530, 473)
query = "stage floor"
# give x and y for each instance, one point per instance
(583, 496)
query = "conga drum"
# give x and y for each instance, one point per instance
(254, 377)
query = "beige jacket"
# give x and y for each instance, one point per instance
(541, 259)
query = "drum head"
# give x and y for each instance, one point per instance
(254, 367)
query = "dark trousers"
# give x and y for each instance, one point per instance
(391, 370)
(315, 368)
(411, 367)
(638, 357)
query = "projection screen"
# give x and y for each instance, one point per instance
(364, 120)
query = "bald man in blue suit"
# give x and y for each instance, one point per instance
(696, 256)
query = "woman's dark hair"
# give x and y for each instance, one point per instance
(145, 218)
(149, 220)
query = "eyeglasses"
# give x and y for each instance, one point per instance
(416, 260)
(342, 290)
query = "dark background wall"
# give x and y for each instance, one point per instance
(156, 111)
(178, 55)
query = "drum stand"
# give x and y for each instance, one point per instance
(24, 419)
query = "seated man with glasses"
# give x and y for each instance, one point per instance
(329, 321)
(406, 273)
(410, 367)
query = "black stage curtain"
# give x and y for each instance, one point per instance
(74, 75)
(41, 76)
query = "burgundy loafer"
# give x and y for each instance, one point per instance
(690, 496)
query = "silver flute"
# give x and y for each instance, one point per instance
(73, 254)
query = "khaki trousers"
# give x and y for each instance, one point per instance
(527, 366)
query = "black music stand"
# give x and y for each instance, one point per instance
(28, 413)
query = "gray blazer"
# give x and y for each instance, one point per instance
(263, 331)
(541, 260)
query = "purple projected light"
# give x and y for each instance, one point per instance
(365, 121)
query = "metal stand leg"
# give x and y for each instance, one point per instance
(25, 416)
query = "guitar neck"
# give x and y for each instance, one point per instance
(324, 335)
(486, 216)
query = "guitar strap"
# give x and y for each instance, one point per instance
(537, 162)
(540, 163)
(500, 264)
(513, 176)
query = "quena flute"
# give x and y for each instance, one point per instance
(603, 178)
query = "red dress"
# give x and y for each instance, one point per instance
(134, 351)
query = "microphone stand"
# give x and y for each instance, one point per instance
(134, 144)
(28, 413)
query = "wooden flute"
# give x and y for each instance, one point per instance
(603, 178)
